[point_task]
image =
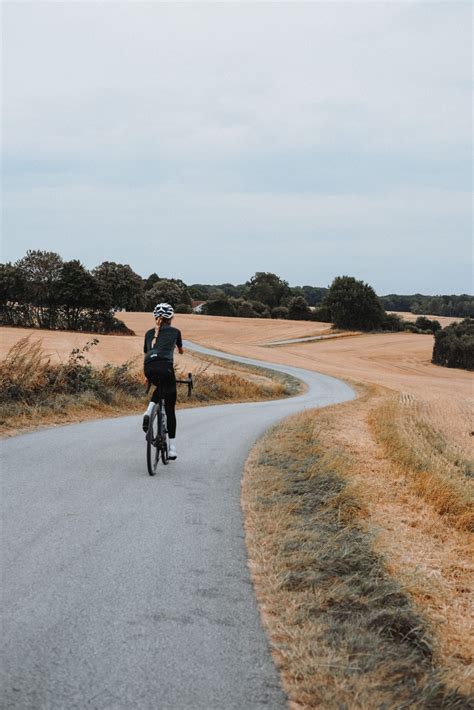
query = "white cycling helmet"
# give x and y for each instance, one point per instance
(163, 310)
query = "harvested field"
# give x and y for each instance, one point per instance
(399, 361)
(443, 320)
(360, 584)
(414, 420)
(425, 546)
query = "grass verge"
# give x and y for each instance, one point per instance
(435, 469)
(290, 386)
(343, 631)
(34, 392)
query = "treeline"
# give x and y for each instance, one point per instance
(43, 291)
(448, 305)
(265, 295)
(456, 306)
(313, 295)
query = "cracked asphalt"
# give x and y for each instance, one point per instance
(123, 591)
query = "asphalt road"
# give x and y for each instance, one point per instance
(124, 591)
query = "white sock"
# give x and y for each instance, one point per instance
(173, 442)
(150, 409)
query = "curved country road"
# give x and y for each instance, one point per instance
(123, 591)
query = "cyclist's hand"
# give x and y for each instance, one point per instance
(181, 351)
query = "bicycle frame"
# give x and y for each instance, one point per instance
(157, 434)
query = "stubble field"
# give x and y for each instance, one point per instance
(407, 443)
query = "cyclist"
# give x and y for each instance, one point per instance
(159, 346)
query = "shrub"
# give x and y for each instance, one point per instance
(393, 322)
(298, 308)
(280, 312)
(322, 314)
(221, 306)
(27, 376)
(183, 308)
(411, 327)
(261, 309)
(244, 309)
(454, 345)
(427, 325)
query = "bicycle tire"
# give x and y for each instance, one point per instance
(164, 438)
(152, 449)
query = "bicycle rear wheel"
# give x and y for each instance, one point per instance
(152, 443)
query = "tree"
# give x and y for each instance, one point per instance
(267, 288)
(41, 272)
(200, 292)
(354, 305)
(40, 290)
(298, 308)
(79, 290)
(249, 309)
(123, 285)
(314, 294)
(172, 291)
(150, 281)
(230, 290)
(454, 345)
(12, 295)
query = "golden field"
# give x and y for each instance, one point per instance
(407, 443)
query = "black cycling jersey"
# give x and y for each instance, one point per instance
(166, 342)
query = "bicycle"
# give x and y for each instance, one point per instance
(157, 433)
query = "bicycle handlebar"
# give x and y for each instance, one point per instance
(188, 382)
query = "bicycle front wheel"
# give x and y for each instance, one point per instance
(152, 443)
(164, 438)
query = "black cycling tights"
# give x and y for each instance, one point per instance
(161, 373)
(170, 403)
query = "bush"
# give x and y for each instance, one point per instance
(221, 306)
(280, 312)
(393, 323)
(27, 376)
(183, 308)
(244, 309)
(261, 309)
(322, 314)
(298, 308)
(422, 326)
(454, 345)
(427, 325)
(411, 328)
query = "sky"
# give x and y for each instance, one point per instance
(210, 140)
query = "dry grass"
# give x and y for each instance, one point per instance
(344, 633)
(34, 391)
(437, 469)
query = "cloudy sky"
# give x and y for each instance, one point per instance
(208, 141)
